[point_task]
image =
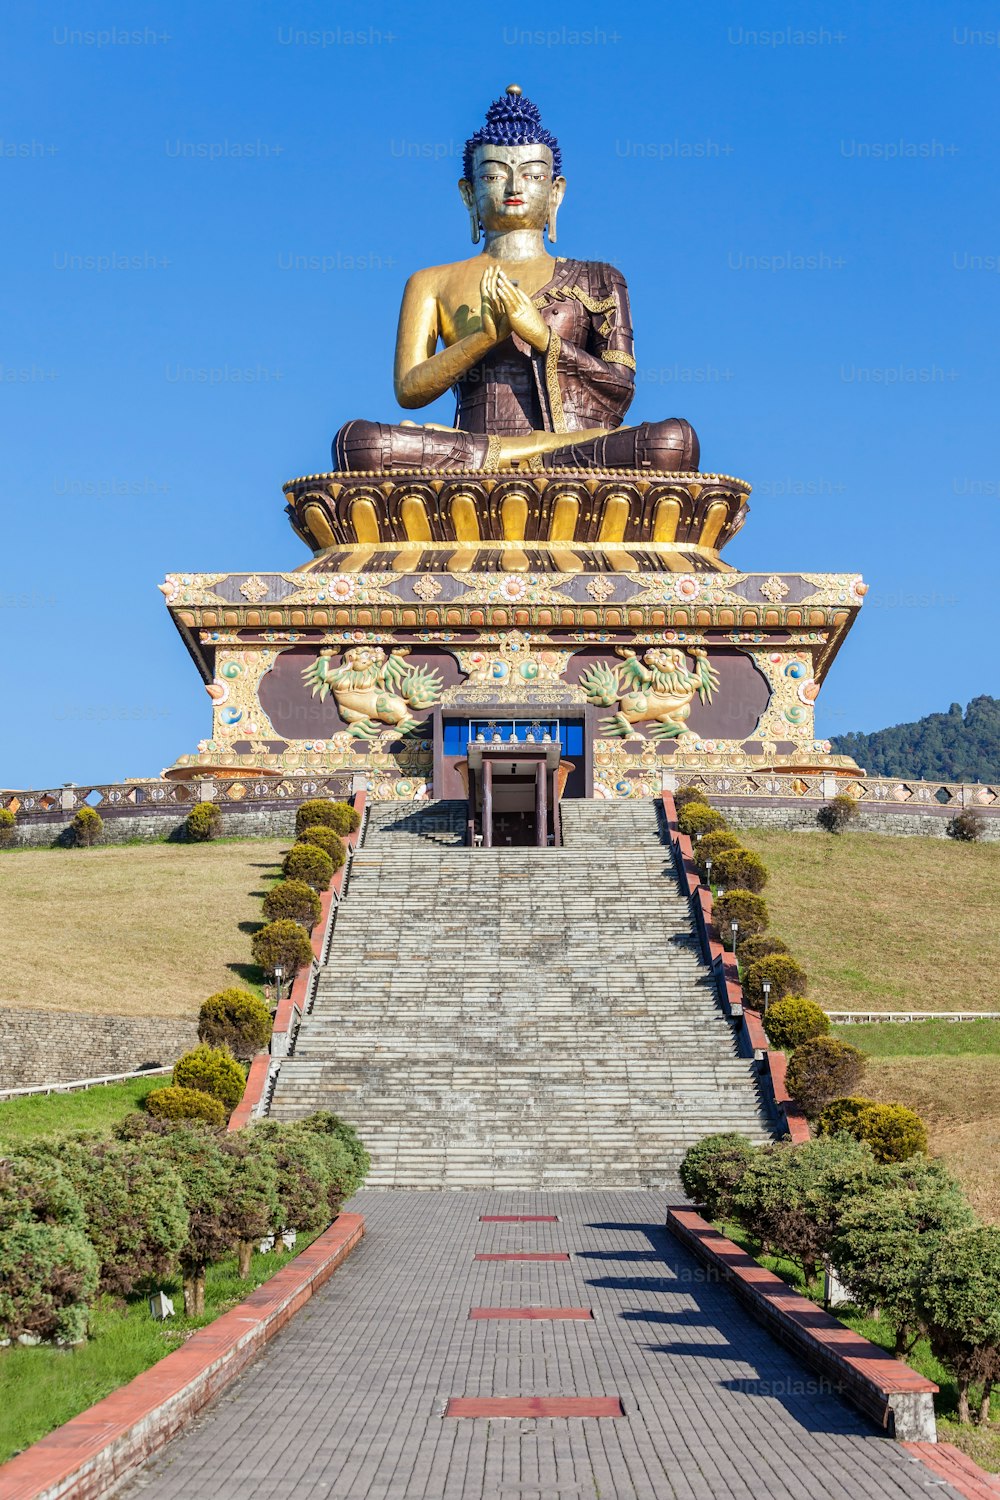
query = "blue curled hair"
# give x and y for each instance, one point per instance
(512, 121)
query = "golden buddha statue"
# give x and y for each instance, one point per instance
(538, 348)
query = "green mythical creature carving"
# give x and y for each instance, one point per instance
(372, 689)
(659, 688)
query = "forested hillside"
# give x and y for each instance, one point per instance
(941, 747)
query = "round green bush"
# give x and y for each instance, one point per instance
(340, 816)
(214, 1070)
(740, 868)
(894, 1132)
(795, 1020)
(786, 976)
(86, 828)
(712, 1170)
(281, 944)
(762, 945)
(711, 845)
(968, 826)
(838, 814)
(326, 839)
(236, 1019)
(186, 1104)
(307, 862)
(840, 1117)
(744, 907)
(295, 901)
(34, 1186)
(686, 794)
(48, 1274)
(698, 818)
(324, 1123)
(8, 822)
(822, 1070)
(203, 823)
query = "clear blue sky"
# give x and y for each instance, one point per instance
(805, 219)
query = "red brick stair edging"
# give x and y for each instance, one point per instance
(899, 1399)
(958, 1470)
(91, 1452)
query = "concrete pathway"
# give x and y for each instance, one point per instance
(348, 1403)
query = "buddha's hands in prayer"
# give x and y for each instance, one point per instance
(494, 318)
(522, 314)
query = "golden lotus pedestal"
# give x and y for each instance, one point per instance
(594, 603)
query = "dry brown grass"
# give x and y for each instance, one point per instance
(887, 923)
(959, 1100)
(148, 930)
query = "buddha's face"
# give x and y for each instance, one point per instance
(512, 187)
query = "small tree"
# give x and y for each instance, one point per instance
(186, 1104)
(790, 1197)
(236, 1019)
(294, 901)
(308, 863)
(711, 845)
(885, 1239)
(302, 1176)
(330, 1127)
(823, 1070)
(203, 823)
(748, 911)
(340, 816)
(48, 1274)
(785, 976)
(326, 839)
(838, 814)
(749, 949)
(687, 794)
(215, 1071)
(8, 826)
(712, 1171)
(283, 945)
(961, 1306)
(252, 1206)
(968, 827)
(795, 1020)
(34, 1187)
(86, 828)
(204, 1171)
(698, 818)
(741, 868)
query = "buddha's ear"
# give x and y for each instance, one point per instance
(557, 193)
(468, 193)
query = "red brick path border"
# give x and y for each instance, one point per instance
(962, 1473)
(87, 1455)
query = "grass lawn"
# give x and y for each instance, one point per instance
(981, 1444)
(38, 1115)
(42, 1387)
(145, 930)
(886, 923)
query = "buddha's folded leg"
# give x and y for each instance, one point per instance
(378, 447)
(671, 445)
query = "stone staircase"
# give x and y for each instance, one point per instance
(523, 1018)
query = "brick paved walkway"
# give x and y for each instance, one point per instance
(348, 1403)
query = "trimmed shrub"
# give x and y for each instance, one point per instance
(326, 839)
(283, 944)
(34, 1187)
(340, 816)
(749, 949)
(308, 863)
(302, 1176)
(8, 823)
(48, 1274)
(697, 818)
(786, 976)
(174, 1103)
(743, 907)
(203, 823)
(823, 1070)
(961, 1304)
(686, 794)
(740, 868)
(894, 1132)
(968, 827)
(214, 1070)
(293, 901)
(838, 814)
(885, 1238)
(330, 1126)
(236, 1019)
(86, 828)
(712, 1170)
(794, 1020)
(205, 1174)
(252, 1205)
(712, 845)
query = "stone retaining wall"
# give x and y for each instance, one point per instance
(924, 822)
(58, 1046)
(126, 827)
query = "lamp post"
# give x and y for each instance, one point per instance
(279, 974)
(766, 986)
(708, 873)
(736, 927)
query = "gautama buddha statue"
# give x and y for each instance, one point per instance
(537, 348)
